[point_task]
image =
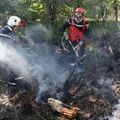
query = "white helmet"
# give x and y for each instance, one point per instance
(15, 21)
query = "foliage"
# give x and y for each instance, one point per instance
(53, 13)
(37, 9)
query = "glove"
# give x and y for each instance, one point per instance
(66, 35)
(77, 48)
(80, 43)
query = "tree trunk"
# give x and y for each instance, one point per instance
(116, 9)
(51, 8)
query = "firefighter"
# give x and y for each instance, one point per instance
(76, 31)
(13, 23)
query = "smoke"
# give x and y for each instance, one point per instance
(35, 61)
(50, 74)
(42, 54)
(116, 113)
(38, 33)
(13, 59)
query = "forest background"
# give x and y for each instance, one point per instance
(103, 16)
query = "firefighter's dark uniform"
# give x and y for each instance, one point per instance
(7, 30)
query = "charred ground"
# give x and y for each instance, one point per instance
(95, 91)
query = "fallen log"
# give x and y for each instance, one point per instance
(66, 110)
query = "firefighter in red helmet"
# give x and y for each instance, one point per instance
(76, 31)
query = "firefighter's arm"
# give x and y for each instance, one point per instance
(77, 47)
(64, 29)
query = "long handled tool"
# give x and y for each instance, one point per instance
(63, 45)
(66, 84)
(76, 53)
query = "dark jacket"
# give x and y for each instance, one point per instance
(7, 30)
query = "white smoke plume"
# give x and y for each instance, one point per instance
(116, 113)
(14, 60)
(34, 61)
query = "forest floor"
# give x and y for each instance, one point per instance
(95, 93)
(93, 103)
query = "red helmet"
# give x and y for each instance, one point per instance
(79, 10)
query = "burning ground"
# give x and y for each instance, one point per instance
(95, 92)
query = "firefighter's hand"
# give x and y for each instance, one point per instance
(77, 48)
(66, 36)
(80, 43)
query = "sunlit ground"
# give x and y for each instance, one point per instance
(4, 100)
